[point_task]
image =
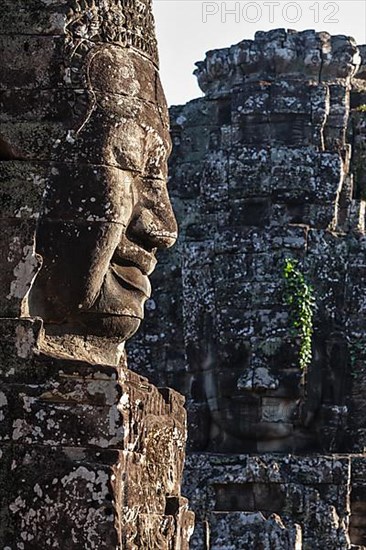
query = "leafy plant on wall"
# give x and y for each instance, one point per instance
(299, 296)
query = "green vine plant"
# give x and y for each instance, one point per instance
(361, 108)
(299, 296)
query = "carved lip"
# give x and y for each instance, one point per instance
(132, 255)
(133, 277)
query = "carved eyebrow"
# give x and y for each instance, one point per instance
(156, 153)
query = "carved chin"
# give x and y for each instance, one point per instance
(118, 310)
(119, 298)
(122, 326)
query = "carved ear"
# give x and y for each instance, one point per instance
(9, 151)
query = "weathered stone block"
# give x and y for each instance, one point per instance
(59, 105)
(37, 17)
(22, 188)
(19, 262)
(93, 443)
(35, 141)
(253, 97)
(70, 487)
(307, 491)
(228, 530)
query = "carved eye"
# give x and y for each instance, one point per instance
(156, 163)
(154, 193)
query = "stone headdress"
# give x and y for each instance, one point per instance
(93, 25)
(129, 23)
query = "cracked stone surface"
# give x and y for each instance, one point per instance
(91, 456)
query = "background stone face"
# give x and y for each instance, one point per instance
(267, 166)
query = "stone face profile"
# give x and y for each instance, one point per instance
(103, 167)
(110, 195)
(266, 169)
(91, 454)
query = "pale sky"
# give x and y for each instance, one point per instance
(186, 29)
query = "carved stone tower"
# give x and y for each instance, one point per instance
(91, 454)
(268, 315)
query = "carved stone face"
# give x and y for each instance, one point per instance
(106, 210)
(254, 407)
(254, 420)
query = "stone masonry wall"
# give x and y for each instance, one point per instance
(90, 456)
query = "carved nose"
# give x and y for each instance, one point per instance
(154, 226)
(257, 379)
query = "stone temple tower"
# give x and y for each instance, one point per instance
(267, 312)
